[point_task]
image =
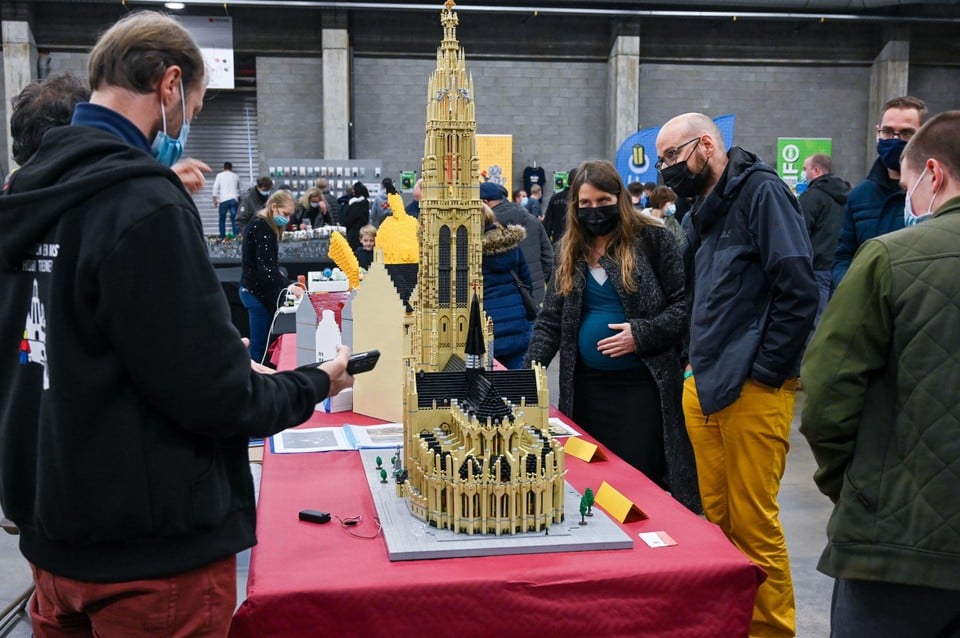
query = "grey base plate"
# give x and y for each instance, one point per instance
(409, 538)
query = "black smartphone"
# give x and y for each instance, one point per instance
(314, 516)
(363, 362)
(359, 362)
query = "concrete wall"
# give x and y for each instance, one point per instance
(289, 108)
(75, 63)
(768, 102)
(555, 111)
(939, 87)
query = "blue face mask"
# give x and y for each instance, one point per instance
(281, 220)
(263, 193)
(889, 152)
(314, 204)
(167, 150)
(670, 209)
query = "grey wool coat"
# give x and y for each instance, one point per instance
(658, 320)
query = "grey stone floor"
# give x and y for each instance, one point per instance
(804, 513)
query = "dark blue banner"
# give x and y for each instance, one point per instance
(647, 138)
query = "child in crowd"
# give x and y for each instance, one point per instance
(368, 239)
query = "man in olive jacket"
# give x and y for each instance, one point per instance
(883, 416)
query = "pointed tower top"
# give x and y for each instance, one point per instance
(449, 20)
(474, 345)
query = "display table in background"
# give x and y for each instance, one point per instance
(308, 579)
(297, 256)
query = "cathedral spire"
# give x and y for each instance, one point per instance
(449, 20)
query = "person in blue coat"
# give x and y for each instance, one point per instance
(502, 302)
(875, 205)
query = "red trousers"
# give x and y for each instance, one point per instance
(195, 603)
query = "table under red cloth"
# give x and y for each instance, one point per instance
(307, 579)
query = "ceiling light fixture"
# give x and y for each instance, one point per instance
(176, 6)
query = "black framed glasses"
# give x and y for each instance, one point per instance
(887, 133)
(670, 157)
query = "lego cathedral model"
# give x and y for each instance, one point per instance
(478, 457)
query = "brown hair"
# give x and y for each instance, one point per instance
(906, 102)
(940, 139)
(280, 198)
(41, 106)
(661, 196)
(136, 51)
(821, 161)
(603, 176)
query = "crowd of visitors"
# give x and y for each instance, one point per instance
(681, 314)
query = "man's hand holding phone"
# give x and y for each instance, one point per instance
(336, 369)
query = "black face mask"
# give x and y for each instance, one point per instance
(683, 182)
(600, 220)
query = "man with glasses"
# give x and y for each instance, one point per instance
(875, 205)
(752, 298)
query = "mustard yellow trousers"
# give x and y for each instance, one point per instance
(741, 452)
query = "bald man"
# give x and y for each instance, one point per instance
(752, 299)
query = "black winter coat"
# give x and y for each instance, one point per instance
(357, 216)
(124, 429)
(822, 205)
(658, 320)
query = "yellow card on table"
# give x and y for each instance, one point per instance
(583, 450)
(617, 505)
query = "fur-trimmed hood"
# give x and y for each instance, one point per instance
(497, 239)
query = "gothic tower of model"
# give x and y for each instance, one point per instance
(450, 214)
(478, 457)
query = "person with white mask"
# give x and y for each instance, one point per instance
(127, 397)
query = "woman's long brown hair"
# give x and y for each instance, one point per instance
(603, 176)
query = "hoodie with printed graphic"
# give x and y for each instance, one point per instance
(126, 395)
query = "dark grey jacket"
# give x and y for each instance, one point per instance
(822, 205)
(251, 203)
(658, 320)
(754, 295)
(536, 246)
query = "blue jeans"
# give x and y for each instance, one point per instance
(824, 279)
(229, 206)
(260, 318)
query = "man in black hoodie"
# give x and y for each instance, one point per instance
(822, 205)
(126, 395)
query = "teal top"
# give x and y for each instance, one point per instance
(601, 306)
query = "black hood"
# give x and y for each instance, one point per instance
(833, 187)
(741, 164)
(73, 164)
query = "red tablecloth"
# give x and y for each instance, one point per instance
(307, 579)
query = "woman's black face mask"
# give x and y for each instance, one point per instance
(600, 220)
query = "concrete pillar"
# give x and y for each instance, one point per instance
(623, 91)
(19, 60)
(336, 94)
(889, 78)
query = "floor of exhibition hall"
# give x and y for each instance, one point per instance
(804, 513)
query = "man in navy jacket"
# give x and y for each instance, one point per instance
(753, 298)
(875, 205)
